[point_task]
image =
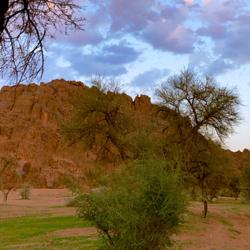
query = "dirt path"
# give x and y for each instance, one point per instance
(226, 228)
(41, 202)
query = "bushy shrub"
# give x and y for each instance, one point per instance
(245, 183)
(25, 192)
(139, 209)
(234, 187)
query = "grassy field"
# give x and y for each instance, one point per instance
(44, 233)
(45, 223)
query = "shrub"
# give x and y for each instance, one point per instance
(25, 192)
(139, 209)
(245, 183)
(234, 186)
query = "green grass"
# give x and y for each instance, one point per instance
(35, 233)
(238, 208)
(225, 222)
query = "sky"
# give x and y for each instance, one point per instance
(143, 42)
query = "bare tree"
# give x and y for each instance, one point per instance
(24, 26)
(212, 110)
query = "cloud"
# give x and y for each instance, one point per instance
(207, 2)
(109, 60)
(131, 16)
(215, 31)
(163, 35)
(189, 2)
(160, 24)
(81, 38)
(96, 19)
(219, 66)
(117, 54)
(226, 24)
(149, 78)
(179, 27)
(235, 45)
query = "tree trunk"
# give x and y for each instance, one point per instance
(4, 8)
(204, 208)
(204, 199)
(5, 197)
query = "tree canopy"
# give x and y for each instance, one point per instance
(99, 121)
(200, 111)
(12, 174)
(211, 109)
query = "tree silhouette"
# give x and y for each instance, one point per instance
(24, 26)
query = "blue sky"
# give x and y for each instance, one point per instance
(142, 42)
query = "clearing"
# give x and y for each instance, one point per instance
(45, 223)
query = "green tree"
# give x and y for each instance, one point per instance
(198, 110)
(12, 175)
(100, 122)
(147, 143)
(210, 169)
(234, 186)
(245, 182)
(139, 209)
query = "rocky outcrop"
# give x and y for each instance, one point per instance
(30, 118)
(239, 159)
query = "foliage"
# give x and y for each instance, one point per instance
(245, 182)
(11, 175)
(100, 123)
(234, 186)
(198, 110)
(25, 192)
(146, 143)
(24, 27)
(8, 177)
(140, 208)
(75, 185)
(209, 108)
(37, 232)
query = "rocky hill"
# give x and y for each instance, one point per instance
(239, 159)
(30, 119)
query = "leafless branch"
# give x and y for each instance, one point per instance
(24, 27)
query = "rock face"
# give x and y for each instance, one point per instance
(240, 159)
(30, 118)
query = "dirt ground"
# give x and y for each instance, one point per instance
(227, 226)
(41, 202)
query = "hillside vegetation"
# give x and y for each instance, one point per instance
(31, 119)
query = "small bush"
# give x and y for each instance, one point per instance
(74, 185)
(245, 183)
(139, 209)
(25, 192)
